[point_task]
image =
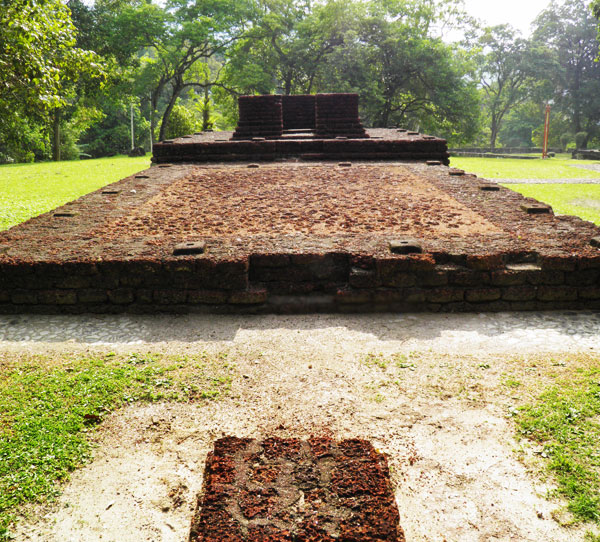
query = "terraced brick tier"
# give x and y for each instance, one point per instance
(245, 145)
(282, 490)
(300, 237)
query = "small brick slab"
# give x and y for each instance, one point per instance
(291, 490)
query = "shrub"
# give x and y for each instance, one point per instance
(565, 139)
(181, 122)
(581, 140)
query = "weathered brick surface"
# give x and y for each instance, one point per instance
(482, 295)
(252, 490)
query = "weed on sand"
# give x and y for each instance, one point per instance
(565, 421)
(48, 408)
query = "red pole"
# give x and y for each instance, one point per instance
(546, 132)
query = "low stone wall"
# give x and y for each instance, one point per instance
(505, 150)
(297, 283)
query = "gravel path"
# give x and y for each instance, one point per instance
(592, 167)
(473, 333)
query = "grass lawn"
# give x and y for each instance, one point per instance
(28, 190)
(559, 167)
(582, 200)
(48, 407)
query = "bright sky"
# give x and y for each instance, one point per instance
(517, 13)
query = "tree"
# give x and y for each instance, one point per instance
(184, 36)
(39, 59)
(569, 30)
(288, 45)
(510, 70)
(403, 72)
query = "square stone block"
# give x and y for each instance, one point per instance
(287, 489)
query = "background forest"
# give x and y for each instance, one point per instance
(74, 76)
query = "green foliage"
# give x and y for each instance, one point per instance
(47, 412)
(29, 190)
(22, 139)
(181, 122)
(564, 421)
(521, 124)
(38, 56)
(112, 134)
(39, 64)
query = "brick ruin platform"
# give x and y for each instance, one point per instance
(300, 237)
(287, 490)
(382, 144)
(302, 127)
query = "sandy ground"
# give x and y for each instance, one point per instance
(438, 408)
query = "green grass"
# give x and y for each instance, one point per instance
(582, 200)
(565, 420)
(28, 190)
(49, 407)
(559, 167)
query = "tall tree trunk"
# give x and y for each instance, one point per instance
(206, 110)
(385, 114)
(165, 120)
(56, 136)
(577, 100)
(494, 135)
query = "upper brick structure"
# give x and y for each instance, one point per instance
(260, 116)
(328, 115)
(337, 116)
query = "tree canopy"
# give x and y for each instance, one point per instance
(73, 73)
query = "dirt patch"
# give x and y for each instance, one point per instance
(443, 422)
